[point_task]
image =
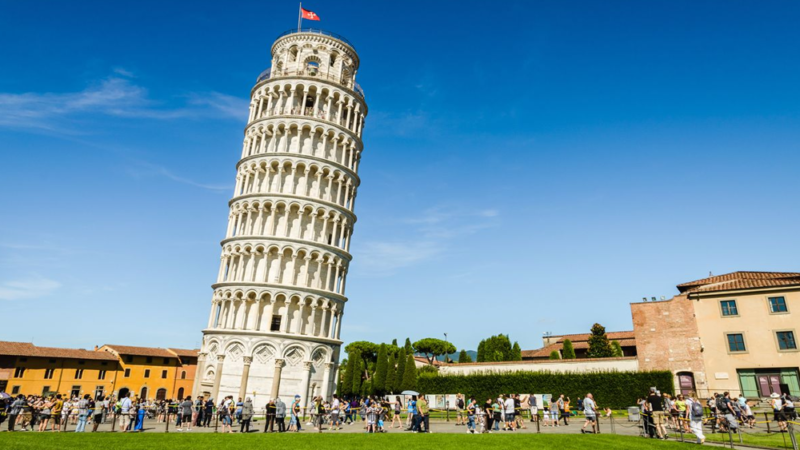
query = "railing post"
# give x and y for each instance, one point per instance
(167, 429)
(766, 418)
(792, 437)
(447, 409)
(113, 420)
(538, 430)
(216, 421)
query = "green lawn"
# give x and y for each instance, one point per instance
(775, 440)
(175, 441)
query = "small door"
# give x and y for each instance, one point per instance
(161, 394)
(763, 385)
(143, 395)
(686, 382)
(775, 383)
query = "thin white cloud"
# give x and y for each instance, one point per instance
(115, 96)
(383, 258)
(28, 288)
(145, 169)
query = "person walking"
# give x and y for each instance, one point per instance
(280, 415)
(83, 413)
(459, 409)
(97, 415)
(471, 406)
(695, 411)
(224, 412)
(656, 407)
(590, 411)
(247, 415)
(778, 411)
(398, 407)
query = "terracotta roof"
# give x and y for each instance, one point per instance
(741, 280)
(140, 351)
(28, 349)
(424, 360)
(579, 342)
(582, 360)
(612, 336)
(185, 353)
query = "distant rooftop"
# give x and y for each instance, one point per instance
(741, 280)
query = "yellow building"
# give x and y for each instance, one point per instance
(28, 369)
(735, 332)
(150, 372)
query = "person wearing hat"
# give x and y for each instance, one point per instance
(778, 410)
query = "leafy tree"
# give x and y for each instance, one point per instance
(616, 349)
(432, 347)
(516, 352)
(428, 370)
(394, 342)
(346, 386)
(391, 374)
(381, 370)
(401, 370)
(568, 349)
(463, 357)
(357, 376)
(409, 349)
(482, 351)
(368, 352)
(410, 374)
(598, 343)
(555, 355)
(495, 348)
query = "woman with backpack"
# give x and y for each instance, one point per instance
(694, 408)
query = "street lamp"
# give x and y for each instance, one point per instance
(446, 357)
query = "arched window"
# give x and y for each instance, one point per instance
(143, 394)
(183, 375)
(161, 394)
(312, 68)
(180, 394)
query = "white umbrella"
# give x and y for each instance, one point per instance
(409, 393)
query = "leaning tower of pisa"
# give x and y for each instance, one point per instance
(276, 311)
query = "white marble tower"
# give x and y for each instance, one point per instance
(278, 302)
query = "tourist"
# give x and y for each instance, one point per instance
(590, 411)
(656, 407)
(424, 414)
(471, 407)
(779, 415)
(520, 423)
(546, 411)
(296, 410)
(489, 414)
(44, 413)
(561, 410)
(398, 407)
(335, 405)
(140, 411)
(680, 408)
(695, 410)
(497, 413)
(197, 413)
(224, 412)
(55, 412)
(788, 407)
(459, 409)
(509, 414)
(371, 416)
(412, 412)
(97, 415)
(247, 415)
(534, 408)
(269, 416)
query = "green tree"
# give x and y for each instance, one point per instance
(391, 373)
(381, 370)
(516, 352)
(463, 357)
(432, 347)
(410, 374)
(401, 370)
(357, 376)
(409, 349)
(496, 348)
(482, 351)
(555, 355)
(346, 387)
(616, 349)
(568, 349)
(368, 352)
(394, 342)
(599, 346)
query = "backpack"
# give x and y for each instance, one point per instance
(460, 403)
(721, 406)
(697, 410)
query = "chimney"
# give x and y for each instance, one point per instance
(96, 347)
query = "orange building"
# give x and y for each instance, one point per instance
(150, 372)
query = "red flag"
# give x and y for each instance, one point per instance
(309, 15)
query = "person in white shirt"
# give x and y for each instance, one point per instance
(335, 414)
(125, 413)
(509, 410)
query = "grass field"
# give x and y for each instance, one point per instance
(117, 441)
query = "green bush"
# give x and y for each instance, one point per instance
(610, 389)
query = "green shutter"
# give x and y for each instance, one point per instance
(789, 377)
(747, 380)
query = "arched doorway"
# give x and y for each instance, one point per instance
(180, 394)
(161, 394)
(143, 394)
(124, 392)
(686, 382)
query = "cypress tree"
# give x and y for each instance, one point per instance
(394, 342)
(482, 351)
(391, 374)
(616, 348)
(347, 382)
(357, 376)
(409, 349)
(410, 375)
(568, 349)
(463, 357)
(599, 346)
(555, 355)
(381, 369)
(401, 368)
(516, 352)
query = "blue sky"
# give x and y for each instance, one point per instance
(529, 167)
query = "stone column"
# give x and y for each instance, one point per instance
(245, 374)
(217, 378)
(326, 381)
(305, 382)
(339, 326)
(276, 378)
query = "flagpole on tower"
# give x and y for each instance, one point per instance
(300, 17)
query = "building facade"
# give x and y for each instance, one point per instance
(277, 306)
(153, 373)
(580, 343)
(735, 332)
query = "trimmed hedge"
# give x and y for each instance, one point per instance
(610, 389)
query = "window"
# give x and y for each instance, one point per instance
(736, 342)
(45, 391)
(166, 360)
(129, 359)
(78, 374)
(729, 308)
(23, 359)
(777, 305)
(786, 340)
(183, 375)
(48, 374)
(99, 392)
(276, 323)
(51, 361)
(19, 372)
(75, 392)
(101, 375)
(15, 390)
(147, 373)
(163, 374)
(149, 360)
(104, 363)
(127, 373)
(81, 362)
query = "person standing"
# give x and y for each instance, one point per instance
(533, 407)
(97, 416)
(590, 411)
(224, 412)
(509, 410)
(83, 413)
(247, 415)
(185, 408)
(471, 416)
(55, 411)
(656, 407)
(280, 415)
(778, 411)
(296, 414)
(398, 407)
(335, 405)
(269, 425)
(198, 412)
(424, 414)
(459, 409)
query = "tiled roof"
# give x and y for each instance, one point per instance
(582, 360)
(741, 280)
(424, 360)
(580, 341)
(185, 353)
(140, 351)
(28, 349)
